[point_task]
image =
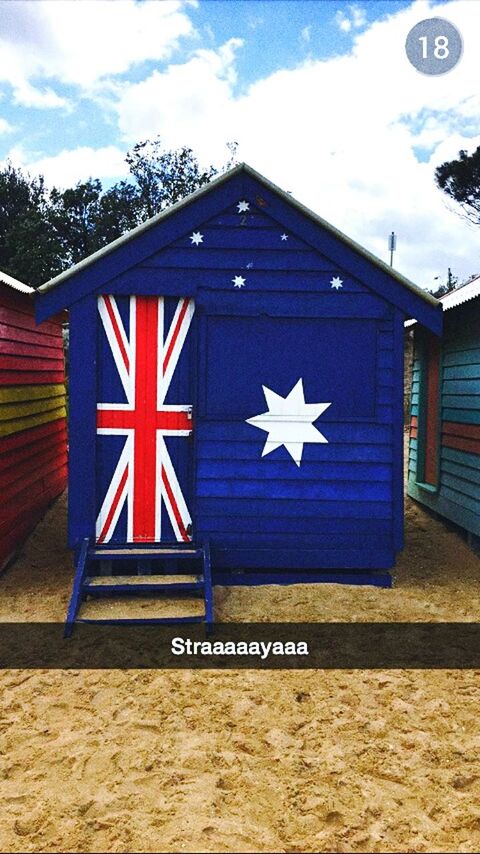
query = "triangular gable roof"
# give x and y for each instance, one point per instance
(136, 245)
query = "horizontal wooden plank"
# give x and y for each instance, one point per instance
(461, 444)
(461, 357)
(461, 401)
(24, 363)
(272, 469)
(14, 318)
(14, 378)
(19, 348)
(21, 472)
(339, 433)
(252, 220)
(34, 392)
(460, 486)
(267, 236)
(33, 490)
(206, 258)
(461, 499)
(463, 472)
(464, 416)
(414, 421)
(471, 386)
(15, 426)
(31, 436)
(414, 432)
(292, 525)
(310, 491)
(295, 559)
(463, 458)
(452, 428)
(221, 450)
(30, 336)
(300, 541)
(266, 508)
(462, 372)
(21, 409)
(55, 443)
(274, 303)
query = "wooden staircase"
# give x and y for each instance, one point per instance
(144, 593)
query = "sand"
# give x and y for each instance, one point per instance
(292, 761)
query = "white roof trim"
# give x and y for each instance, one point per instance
(14, 283)
(460, 295)
(465, 293)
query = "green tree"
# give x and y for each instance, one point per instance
(460, 180)
(44, 232)
(22, 204)
(163, 177)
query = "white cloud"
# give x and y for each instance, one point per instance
(341, 134)
(355, 18)
(79, 43)
(5, 127)
(185, 103)
(72, 165)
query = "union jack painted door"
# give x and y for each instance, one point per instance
(144, 459)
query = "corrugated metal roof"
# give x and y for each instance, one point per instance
(466, 292)
(14, 283)
(242, 167)
(470, 290)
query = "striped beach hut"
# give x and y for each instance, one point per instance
(444, 447)
(33, 446)
(236, 398)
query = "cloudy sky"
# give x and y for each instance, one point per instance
(318, 94)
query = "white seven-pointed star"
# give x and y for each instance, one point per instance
(284, 237)
(238, 281)
(196, 238)
(337, 282)
(289, 421)
(243, 206)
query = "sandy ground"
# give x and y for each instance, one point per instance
(246, 761)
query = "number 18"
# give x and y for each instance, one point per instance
(441, 49)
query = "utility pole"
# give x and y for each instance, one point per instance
(392, 245)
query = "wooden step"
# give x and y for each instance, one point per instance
(153, 552)
(141, 610)
(100, 584)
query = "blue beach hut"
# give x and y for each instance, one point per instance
(236, 399)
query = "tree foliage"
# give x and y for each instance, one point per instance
(44, 231)
(460, 180)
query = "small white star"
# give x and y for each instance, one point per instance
(238, 282)
(284, 237)
(337, 283)
(196, 238)
(289, 421)
(243, 206)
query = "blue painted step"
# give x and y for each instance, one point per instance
(150, 593)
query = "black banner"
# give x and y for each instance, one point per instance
(254, 646)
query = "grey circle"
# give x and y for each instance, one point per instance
(434, 46)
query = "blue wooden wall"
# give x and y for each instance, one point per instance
(457, 494)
